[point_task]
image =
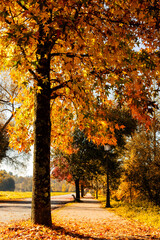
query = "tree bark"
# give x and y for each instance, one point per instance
(41, 206)
(77, 190)
(82, 190)
(96, 189)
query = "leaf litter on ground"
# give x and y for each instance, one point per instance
(79, 221)
(64, 228)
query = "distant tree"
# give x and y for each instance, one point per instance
(7, 184)
(110, 160)
(80, 165)
(92, 159)
(64, 188)
(87, 159)
(23, 184)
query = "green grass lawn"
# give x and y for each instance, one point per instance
(17, 195)
(144, 212)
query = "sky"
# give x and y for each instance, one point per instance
(20, 171)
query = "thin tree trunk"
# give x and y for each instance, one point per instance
(154, 134)
(77, 190)
(108, 191)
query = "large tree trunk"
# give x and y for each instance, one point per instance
(41, 206)
(77, 190)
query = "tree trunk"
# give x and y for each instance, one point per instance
(96, 189)
(41, 206)
(108, 192)
(77, 190)
(82, 190)
(154, 134)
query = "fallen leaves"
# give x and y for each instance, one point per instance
(78, 221)
(26, 230)
(92, 230)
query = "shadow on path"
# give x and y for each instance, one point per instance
(63, 231)
(87, 201)
(16, 201)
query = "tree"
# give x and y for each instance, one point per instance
(23, 184)
(87, 159)
(79, 166)
(110, 161)
(69, 49)
(141, 166)
(7, 182)
(63, 170)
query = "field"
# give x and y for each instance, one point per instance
(4, 195)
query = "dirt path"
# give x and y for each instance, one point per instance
(87, 220)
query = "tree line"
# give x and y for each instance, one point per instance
(10, 182)
(128, 172)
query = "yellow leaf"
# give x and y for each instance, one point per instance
(39, 89)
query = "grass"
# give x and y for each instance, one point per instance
(4, 195)
(142, 211)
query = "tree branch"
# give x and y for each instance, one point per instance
(70, 55)
(62, 85)
(6, 123)
(26, 9)
(5, 102)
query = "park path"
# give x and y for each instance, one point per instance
(85, 220)
(20, 209)
(88, 220)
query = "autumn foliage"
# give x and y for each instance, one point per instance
(92, 49)
(67, 56)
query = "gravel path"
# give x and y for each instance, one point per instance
(88, 220)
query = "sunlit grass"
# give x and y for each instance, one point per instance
(142, 211)
(4, 195)
(59, 193)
